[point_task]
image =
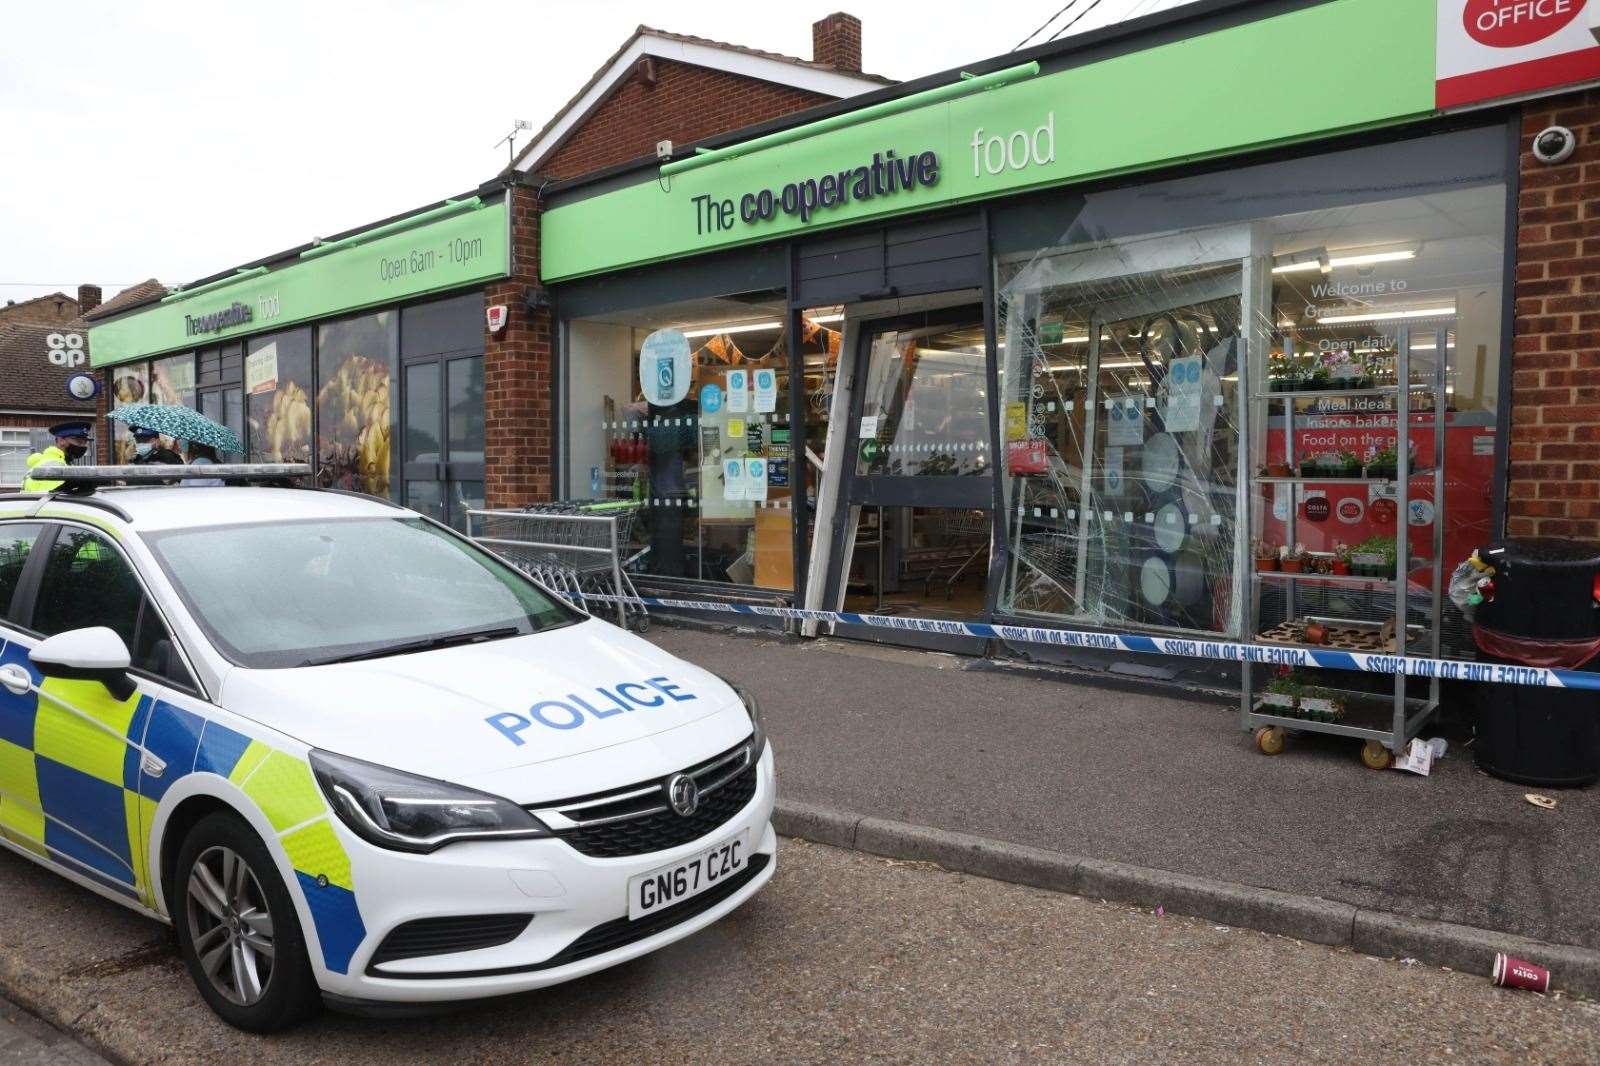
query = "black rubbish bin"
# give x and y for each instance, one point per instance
(1543, 613)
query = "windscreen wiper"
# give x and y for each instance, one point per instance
(443, 640)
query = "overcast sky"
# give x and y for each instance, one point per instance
(177, 139)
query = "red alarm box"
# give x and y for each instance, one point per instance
(1027, 457)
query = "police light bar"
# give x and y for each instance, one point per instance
(153, 473)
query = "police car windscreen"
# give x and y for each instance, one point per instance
(302, 593)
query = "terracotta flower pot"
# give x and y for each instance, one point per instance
(1267, 563)
(1293, 566)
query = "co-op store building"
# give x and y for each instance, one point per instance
(914, 349)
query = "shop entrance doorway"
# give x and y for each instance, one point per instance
(911, 528)
(443, 433)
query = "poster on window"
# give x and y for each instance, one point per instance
(1183, 387)
(733, 479)
(172, 380)
(1126, 424)
(664, 367)
(738, 398)
(755, 479)
(354, 383)
(766, 398)
(129, 384)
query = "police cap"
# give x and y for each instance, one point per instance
(70, 429)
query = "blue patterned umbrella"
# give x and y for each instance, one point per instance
(180, 423)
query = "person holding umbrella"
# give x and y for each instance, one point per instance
(71, 444)
(148, 449)
(201, 454)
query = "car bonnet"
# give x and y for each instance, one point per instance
(573, 710)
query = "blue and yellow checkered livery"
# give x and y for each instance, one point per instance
(80, 796)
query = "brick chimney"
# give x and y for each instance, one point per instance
(836, 41)
(88, 298)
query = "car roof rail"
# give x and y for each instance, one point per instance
(79, 481)
(94, 501)
(357, 494)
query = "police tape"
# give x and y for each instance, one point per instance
(1184, 647)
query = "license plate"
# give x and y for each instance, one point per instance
(684, 880)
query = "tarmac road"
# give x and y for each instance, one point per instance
(843, 957)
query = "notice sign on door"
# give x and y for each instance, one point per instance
(1489, 49)
(1183, 395)
(738, 391)
(733, 479)
(260, 370)
(766, 380)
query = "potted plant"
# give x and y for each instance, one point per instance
(1321, 378)
(1293, 698)
(1350, 463)
(1294, 560)
(1341, 560)
(1321, 563)
(1383, 464)
(1374, 557)
(1279, 469)
(1278, 374)
(1323, 464)
(1266, 557)
(1368, 378)
(1346, 372)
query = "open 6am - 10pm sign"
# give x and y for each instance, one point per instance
(359, 271)
(1492, 49)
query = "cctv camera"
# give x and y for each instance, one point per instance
(1554, 144)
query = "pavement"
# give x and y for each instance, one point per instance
(26, 1040)
(843, 957)
(1159, 780)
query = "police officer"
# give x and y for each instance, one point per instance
(72, 443)
(147, 448)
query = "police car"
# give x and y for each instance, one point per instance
(351, 756)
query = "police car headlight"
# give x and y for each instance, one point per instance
(410, 813)
(758, 742)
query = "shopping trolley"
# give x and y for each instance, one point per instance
(575, 548)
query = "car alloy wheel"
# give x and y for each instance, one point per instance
(230, 925)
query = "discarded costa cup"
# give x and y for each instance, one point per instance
(1519, 973)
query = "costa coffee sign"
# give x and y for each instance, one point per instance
(1492, 49)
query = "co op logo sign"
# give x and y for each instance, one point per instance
(65, 349)
(1515, 23)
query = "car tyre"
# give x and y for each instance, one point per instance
(238, 932)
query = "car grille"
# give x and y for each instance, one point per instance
(620, 932)
(638, 820)
(617, 933)
(442, 936)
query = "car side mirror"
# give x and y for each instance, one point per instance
(92, 654)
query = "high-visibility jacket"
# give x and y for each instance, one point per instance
(49, 456)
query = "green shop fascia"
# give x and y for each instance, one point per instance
(1022, 324)
(361, 354)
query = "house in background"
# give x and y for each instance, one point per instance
(43, 342)
(56, 309)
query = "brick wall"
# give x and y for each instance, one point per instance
(1553, 487)
(667, 101)
(836, 41)
(517, 372)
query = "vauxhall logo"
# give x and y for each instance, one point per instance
(237, 314)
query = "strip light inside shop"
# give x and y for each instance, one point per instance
(1346, 261)
(754, 327)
